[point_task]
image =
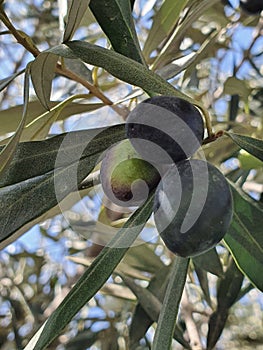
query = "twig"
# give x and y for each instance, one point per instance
(26, 41)
(187, 315)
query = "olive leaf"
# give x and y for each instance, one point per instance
(8, 151)
(250, 144)
(115, 19)
(53, 172)
(119, 66)
(36, 158)
(163, 23)
(42, 72)
(9, 118)
(95, 276)
(227, 294)
(244, 238)
(76, 11)
(168, 315)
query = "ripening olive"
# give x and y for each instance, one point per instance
(165, 129)
(193, 207)
(126, 178)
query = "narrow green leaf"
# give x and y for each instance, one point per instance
(152, 306)
(119, 66)
(95, 276)
(168, 316)
(203, 281)
(66, 204)
(250, 144)
(39, 128)
(115, 19)
(227, 294)
(75, 13)
(42, 73)
(8, 151)
(9, 118)
(196, 10)
(122, 68)
(210, 262)
(39, 157)
(244, 237)
(24, 201)
(216, 326)
(141, 320)
(163, 24)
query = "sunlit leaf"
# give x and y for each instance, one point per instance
(163, 23)
(42, 73)
(39, 128)
(8, 151)
(9, 118)
(196, 10)
(76, 10)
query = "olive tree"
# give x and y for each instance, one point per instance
(82, 83)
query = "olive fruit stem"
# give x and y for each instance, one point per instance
(167, 319)
(207, 120)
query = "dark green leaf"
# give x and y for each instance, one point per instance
(118, 65)
(24, 201)
(151, 305)
(115, 19)
(216, 326)
(250, 144)
(42, 72)
(95, 276)
(39, 157)
(141, 320)
(75, 13)
(210, 262)
(168, 315)
(227, 294)
(203, 280)
(229, 286)
(244, 237)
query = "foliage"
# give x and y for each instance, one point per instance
(85, 66)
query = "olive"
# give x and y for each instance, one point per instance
(125, 177)
(252, 7)
(192, 207)
(165, 129)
